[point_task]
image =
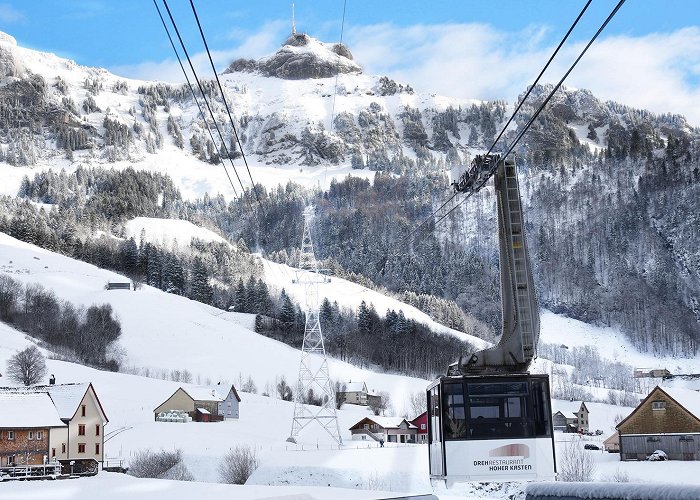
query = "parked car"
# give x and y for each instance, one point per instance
(591, 446)
(658, 456)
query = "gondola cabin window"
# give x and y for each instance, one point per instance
(455, 422)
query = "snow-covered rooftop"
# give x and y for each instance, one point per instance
(355, 387)
(688, 398)
(568, 408)
(391, 422)
(27, 410)
(67, 397)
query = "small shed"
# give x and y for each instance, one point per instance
(119, 285)
(612, 443)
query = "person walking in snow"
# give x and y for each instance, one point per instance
(381, 443)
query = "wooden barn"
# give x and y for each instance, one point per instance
(203, 404)
(668, 420)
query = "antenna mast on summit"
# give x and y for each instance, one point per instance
(294, 24)
(315, 396)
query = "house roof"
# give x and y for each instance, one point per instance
(355, 387)
(568, 408)
(687, 398)
(28, 410)
(66, 397)
(388, 422)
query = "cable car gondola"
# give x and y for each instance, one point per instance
(489, 419)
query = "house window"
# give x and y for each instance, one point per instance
(39, 435)
(81, 447)
(81, 429)
(53, 452)
(422, 427)
(30, 435)
(687, 438)
(11, 460)
(10, 436)
(82, 410)
(653, 439)
(97, 449)
(97, 429)
(366, 426)
(658, 405)
(63, 447)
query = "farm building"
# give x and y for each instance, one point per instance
(356, 393)
(26, 421)
(570, 416)
(389, 429)
(81, 437)
(202, 404)
(668, 419)
(612, 443)
(421, 423)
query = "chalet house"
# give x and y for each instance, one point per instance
(26, 421)
(667, 419)
(389, 429)
(421, 423)
(356, 393)
(203, 404)
(571, 417)
(81, 436)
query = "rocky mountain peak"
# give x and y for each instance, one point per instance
(301, 57)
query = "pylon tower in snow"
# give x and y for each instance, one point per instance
(314, 375)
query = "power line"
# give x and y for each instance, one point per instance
(194, 96)
(517, 109)
(228, 111)
(337, 74)
(551, 94)
(541, 107)
(544, 103)
(204, 96)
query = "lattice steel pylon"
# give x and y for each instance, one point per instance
(313, 368)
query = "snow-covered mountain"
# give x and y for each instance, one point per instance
(295, 119)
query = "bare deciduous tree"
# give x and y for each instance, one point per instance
(380, 404)
(340, 395)
(27, 366)
(417, 404)
(576, 464)
(238, 465)
(159, 465)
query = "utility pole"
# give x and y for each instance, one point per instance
(313, 368)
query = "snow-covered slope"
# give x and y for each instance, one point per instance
(165, 232)
(162, 331)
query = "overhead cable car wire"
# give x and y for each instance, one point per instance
(204, 97)
(194, 97)
(228, 111)
(517, 109)
(544, 103)
(337, 74)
